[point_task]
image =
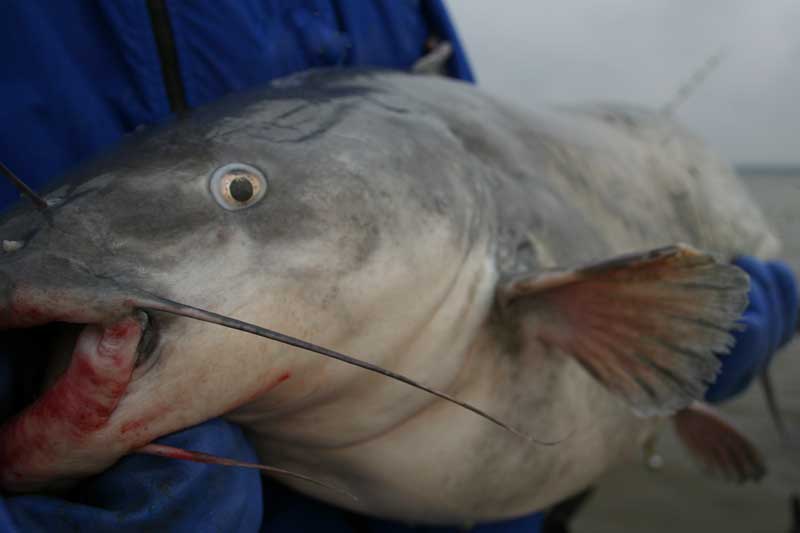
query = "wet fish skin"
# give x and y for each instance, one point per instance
(395, 206)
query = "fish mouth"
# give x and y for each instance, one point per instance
(73, 391)
(39, 355)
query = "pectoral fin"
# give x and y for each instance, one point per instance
(647, 326)
(717, 445)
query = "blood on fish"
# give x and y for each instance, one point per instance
(26, 315)
(180, 453)
(78, 404)
(137, 431)
(84, 397)
(261, 391)
(133, 425)
(140, 423)
(119, 330)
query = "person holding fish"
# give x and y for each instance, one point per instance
(80, 76)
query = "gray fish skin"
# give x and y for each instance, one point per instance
(395, 205)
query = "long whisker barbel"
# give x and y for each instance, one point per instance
(171, 452)
(157, 303)
(23, 188)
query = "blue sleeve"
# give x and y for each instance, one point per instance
(769, 322)
(146, 493)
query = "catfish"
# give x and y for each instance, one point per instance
(444, 307)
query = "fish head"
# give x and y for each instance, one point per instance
(313, 228)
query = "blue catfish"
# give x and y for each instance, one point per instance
(499, 299)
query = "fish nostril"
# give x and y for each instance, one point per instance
(12, 246)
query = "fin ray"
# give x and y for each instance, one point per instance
(658, 317)
(717, 445)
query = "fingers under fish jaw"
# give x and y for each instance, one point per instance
(50, 440)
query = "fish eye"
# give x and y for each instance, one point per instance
(237, 186)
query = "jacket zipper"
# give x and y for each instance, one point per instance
(168, 54)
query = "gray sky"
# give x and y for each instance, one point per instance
(641, 51)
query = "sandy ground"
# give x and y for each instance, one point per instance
(679, 497)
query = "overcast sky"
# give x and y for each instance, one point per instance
(641, 51)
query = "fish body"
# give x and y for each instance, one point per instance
(395, 209)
